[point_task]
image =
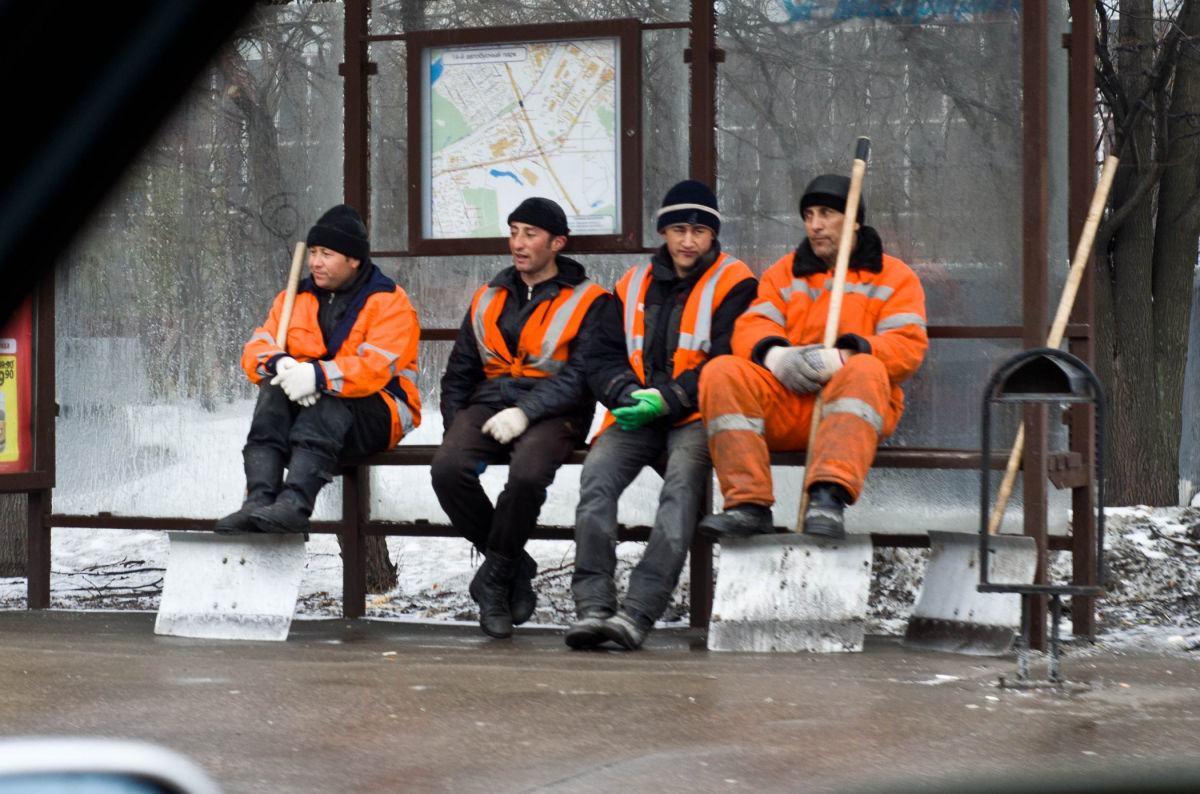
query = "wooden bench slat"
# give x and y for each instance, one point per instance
(885, 457)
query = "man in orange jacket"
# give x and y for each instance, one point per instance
(762, 397)
(669, 318)
(344, 382)
(515, 392)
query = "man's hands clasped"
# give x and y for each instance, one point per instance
(804, 369)
(298, 381)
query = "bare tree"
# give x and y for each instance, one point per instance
(1148, 76)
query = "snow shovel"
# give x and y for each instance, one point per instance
(950, 614)
(222, 587)
(791, 592)
(235, 587)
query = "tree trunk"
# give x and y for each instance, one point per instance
(13, 529)
(380, 570)
(1136, 310)
(1178, 228)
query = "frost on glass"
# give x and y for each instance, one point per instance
(158, 296)
(939, 96)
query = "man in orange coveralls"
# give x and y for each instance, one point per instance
(346, 384)
(761, 398)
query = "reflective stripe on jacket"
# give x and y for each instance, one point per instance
(695, 328)
(545, 341)
(886, 307)
(374, 348)
(694, 343)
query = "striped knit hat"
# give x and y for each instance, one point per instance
(690, 202)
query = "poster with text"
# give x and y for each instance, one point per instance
(16, 392)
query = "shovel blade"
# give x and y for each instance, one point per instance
(950, 614)
(791, 593)
(230, 587)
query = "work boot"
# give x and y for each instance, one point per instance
(826, 503)
(588, 631)
(307, 474)
(492, 590)
(523, 600)
(627, 630)
(738, 521)
(264, 478)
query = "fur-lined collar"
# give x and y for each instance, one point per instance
(867, 255)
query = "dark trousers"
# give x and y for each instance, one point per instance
(532, 458)
(330, 428)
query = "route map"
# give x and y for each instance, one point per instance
(507, 122)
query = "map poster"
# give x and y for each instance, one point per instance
(504, 122)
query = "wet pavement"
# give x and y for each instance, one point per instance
(377, 706)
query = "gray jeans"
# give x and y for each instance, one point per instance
(613, 462)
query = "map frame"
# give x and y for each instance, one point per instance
(627, 235)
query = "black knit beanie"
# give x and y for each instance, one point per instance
(341, 229)
(690, 202)
(542, 213)
(831, 190)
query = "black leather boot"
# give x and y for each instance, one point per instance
(492, 590)
(308, 472)
(523, 600)
(264, 479)
(738, 521)
(826, 503)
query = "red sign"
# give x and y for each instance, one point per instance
(16, 390)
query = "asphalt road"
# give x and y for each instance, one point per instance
(375, 706)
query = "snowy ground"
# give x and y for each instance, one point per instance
(150, 457)
(1152, 603)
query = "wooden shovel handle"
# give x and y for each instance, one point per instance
(289, 298)
(1083, 253)
(841, 265)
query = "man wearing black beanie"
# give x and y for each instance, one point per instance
(762, 398)
(514, 392)
(668, 318)
(343, 382)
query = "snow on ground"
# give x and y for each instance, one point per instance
(1152, 602)
(154, 457)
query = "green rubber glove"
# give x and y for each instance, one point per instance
(650, 405)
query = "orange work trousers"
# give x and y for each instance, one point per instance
(748, 413)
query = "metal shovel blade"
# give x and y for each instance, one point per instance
(230, 587)
(951, 614)
(791, 593)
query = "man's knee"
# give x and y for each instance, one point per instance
(865, 367)
(323, 425)
(530, 480)
(448, 466)
(722, 370)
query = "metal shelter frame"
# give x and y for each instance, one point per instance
(704, 58)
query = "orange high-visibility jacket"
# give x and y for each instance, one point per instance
(695, 326)
(545, 341)
(883, 303)
(376, 351)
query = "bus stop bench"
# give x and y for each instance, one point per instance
(357, 522)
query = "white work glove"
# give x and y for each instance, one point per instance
(310, 400)
(506, 425)
(284, 364)
(804, 369)
(298, 382)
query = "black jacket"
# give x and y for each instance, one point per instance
(563, 394)
(609, 374)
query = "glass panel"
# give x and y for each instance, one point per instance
(940, 98)
(158, 296)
